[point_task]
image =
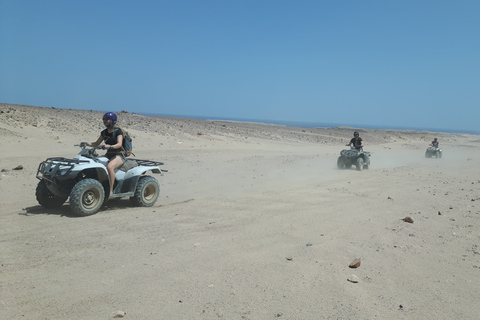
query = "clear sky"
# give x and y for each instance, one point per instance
(403, 63)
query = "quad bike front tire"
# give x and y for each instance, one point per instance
(146, 192)
(46, 198)
(359, 164)
(87, 197)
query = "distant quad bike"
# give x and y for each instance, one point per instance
(85, 180)
(433, 152)
(353, 157)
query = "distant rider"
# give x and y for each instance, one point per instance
(356, 142)
(113, 138)
(434, 143)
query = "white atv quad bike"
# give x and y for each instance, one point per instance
(85, 180)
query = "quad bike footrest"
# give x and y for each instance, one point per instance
(120, 195)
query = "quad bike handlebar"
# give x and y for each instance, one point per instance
(83, 145)
(89, 152)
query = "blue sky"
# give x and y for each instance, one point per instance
(405, 63)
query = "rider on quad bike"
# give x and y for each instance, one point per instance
(85, 180)
(355, 156)
(113, 138)
(433, 150)
(356, 142)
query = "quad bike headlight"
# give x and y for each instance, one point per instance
(63, 172)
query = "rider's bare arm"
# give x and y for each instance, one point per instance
(117, 145)
(96, 143)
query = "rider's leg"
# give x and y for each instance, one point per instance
(112, 165)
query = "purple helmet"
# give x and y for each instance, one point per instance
(112, 116)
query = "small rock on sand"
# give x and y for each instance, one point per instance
(355, 263)
(353, 278)
(408, 219)
(118, 314)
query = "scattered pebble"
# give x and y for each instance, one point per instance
(289, 258)
(353, 278)
(408, 219)
(20, 167)
(411, 235)
(118, 314)
(309, 244)
(355, 263)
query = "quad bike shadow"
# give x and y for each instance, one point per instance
(64, 210)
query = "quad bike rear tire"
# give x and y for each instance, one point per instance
(146, 193)
(341, 163)
(359, 164)
(46, 198)
(366, 163)
(87, 197)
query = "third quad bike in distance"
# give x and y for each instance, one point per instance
(433, 152)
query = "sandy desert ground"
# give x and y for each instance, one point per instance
(254, 221)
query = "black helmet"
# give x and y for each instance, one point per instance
(112, 116)
(355, 133)
(435, 139)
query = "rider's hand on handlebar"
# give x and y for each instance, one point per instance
(83, 144)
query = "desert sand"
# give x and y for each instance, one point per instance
(254, 221)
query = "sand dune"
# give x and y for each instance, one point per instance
(254, 221)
